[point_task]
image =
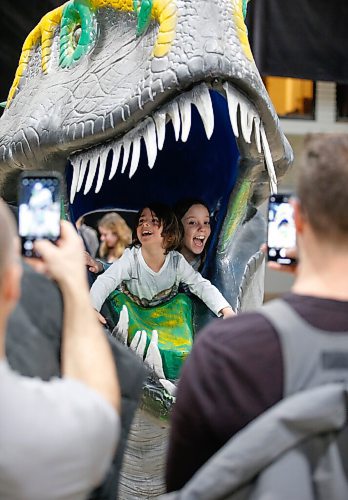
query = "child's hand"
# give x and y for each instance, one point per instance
(93, 265)
(227, 312)
(101, 318)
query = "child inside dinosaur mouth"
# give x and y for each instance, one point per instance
(150, 274)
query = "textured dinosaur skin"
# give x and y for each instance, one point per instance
(54, 112)
(98, 113)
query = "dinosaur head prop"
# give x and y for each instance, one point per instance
(151, 100)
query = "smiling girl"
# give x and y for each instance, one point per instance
(150, 272)
(195, 219)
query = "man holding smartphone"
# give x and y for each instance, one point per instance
(242, 366)
(57, 438)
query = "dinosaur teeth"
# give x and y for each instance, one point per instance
(115, 160)
(202, 101)
(152, 130)
(126, 150)
(244, 118)
(244, 122)
(185, 113)
(173, 113)
(257, 133)
(160, 122)
(135, 157)
(101, 174)
(92, 168)
(233, 102)
(138, 343)
(83, 168)
(150, 141)
(153, 356)
(75, 178)
(269, 161)
(247, 112)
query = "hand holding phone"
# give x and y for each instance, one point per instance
(39, 209)
(281, 230)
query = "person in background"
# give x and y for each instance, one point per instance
(115, 237)
(88, 235)
(46, 452)
(241, 367)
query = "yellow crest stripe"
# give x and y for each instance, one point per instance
(42, 33)
(242, 31)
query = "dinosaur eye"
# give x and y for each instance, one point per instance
(77, 35)
(143, 9)
(78, 32)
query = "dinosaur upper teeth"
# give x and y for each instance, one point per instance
(243, 116)
(249, 118)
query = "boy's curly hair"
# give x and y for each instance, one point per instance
(171, 230)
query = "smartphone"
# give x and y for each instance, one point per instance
(281, 228)
(39, 200)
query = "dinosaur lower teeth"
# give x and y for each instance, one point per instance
(244, 120)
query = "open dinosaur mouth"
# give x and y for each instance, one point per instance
(189, 148)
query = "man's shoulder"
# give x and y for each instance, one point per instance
(246, 336)
(245, 324)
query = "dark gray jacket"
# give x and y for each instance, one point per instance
(296, 450)
(33, 349)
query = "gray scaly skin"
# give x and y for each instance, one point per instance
(111, 90)
(119, 91)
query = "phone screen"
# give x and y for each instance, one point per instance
(281, 228)
(39, 209)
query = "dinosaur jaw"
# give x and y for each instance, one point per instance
(192, 139)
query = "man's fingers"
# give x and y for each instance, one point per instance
(285, 268)
(292, 253)
(45, 248)
(37, 264)
(263, 248)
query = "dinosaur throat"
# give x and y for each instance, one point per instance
(189, 147)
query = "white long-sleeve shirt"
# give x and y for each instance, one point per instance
(152, 288)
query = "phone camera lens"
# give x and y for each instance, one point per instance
(28, 245)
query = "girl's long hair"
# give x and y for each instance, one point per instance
(118, 226)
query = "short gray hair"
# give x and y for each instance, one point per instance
(322, 184)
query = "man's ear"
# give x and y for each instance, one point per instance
(298, 215)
